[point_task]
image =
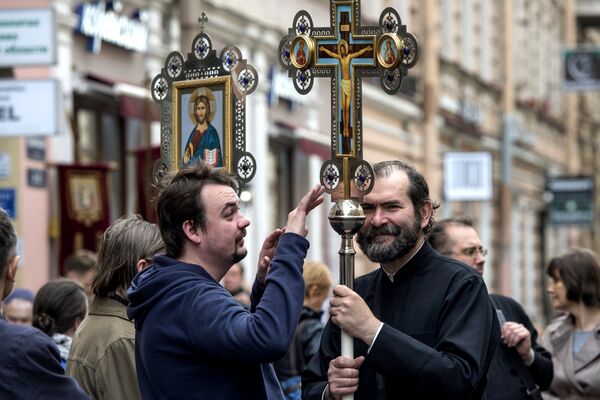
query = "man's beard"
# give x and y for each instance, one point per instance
(239, 254)
(200, 119)
(406, 238)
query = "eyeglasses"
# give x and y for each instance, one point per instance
(473, 251)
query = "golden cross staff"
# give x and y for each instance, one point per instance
(345, 52)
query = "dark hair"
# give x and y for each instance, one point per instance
(438, 237)
(58, 305)
(81, 262)
(179, 201)
(8, 240)
(128, 240)
(202, 98)
(580, 273)
(418, 191)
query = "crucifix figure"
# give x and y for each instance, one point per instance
(346, 83)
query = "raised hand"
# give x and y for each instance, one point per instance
(266, 254)
(296, 222)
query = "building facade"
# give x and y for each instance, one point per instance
(488, 82)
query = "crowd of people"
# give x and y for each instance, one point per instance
(163, 311)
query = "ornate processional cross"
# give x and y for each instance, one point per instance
(346, 52)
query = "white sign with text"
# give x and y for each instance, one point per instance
(27, 37)
(28, 107)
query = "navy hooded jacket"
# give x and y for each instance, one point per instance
(195, 341)
(30, 366)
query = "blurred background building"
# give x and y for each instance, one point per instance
(498, 114)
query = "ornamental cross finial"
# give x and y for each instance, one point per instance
(346, 52)
(203, 20)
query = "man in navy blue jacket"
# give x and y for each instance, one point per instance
(193, 339)
(29, 359)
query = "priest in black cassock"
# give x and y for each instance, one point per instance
(421, 323)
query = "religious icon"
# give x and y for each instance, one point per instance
(389, 55)
(388, 47)
(201, 126)
(84, 203)
(301, 51)
(203, 141)
(345, 58)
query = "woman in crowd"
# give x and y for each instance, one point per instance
(573, 338)
(58, 309)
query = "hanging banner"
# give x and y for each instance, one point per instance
(84, 208)
(144, 161)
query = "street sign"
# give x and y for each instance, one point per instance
(28, 107)
(8, 198)
(581, 69)
(27, 37)
(572, 200)
(467, 176)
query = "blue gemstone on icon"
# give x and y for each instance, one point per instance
(245, 81)
(302, 78)
(389, 25)
(362, 178)
(228, 60)
(286, 53)
(406, 51)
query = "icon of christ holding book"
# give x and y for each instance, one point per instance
(203, 142)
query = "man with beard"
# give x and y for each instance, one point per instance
(421, 323)
(193, 339)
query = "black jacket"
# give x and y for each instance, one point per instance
(436, 342)
(506, 380)
(305, 345)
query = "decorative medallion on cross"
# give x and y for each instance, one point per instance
(346, 52)
(203, 108)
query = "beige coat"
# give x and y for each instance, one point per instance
(102, 356)
(574, 378)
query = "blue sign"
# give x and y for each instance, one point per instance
(100, 21)
(8, 201)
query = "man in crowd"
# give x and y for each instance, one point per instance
(29, 360)
(233, 282)
(18, 307)
(81, 268)
(193, 339)
(521, 367)
(422, 323)
(102, 356)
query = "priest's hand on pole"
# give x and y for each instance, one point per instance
(350, 312)
(342, 377)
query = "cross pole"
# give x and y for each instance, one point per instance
(345, 52)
